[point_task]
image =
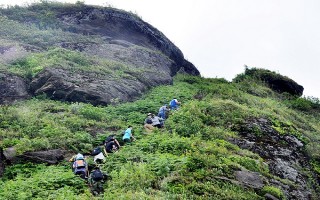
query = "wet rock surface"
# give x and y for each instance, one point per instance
(282, 152)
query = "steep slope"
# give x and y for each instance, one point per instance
(224, 143)
(142, 56)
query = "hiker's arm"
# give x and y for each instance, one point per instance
(105, 152)
(116, 141)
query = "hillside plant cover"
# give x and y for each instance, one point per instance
(250, 138)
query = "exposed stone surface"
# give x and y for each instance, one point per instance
(61, 84)
(249, 179)
(12, 88)
(50, 156)
(282, 152)
(270, 197)
(124, 28)
(114, 35)
(275, 81)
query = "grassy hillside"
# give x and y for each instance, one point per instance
(191, 158)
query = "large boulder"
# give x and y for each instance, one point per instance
(12, 88)
(274, 80)
(53, 156)
(61, 84)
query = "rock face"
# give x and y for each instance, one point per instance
(53, 156)
(117, 26)
(120, 37)
(12, 88)
(282, 152)
(60, 84)
(249, 179)
(107, 33)
(275, 81)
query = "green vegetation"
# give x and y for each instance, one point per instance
(190, 159)
(73, 61)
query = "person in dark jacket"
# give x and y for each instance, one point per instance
(111, 144)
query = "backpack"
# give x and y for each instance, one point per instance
(149, 121)
(108, 139)
(97, 175)
(96, 151)
(80, 164)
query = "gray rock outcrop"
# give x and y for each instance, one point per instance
(53, 156)
(148, 58)
(283, 154)
(12, 88)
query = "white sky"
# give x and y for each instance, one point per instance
(221, 36)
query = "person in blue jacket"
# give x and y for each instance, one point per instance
(163, 111)
(174, 104)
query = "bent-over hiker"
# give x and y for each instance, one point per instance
(156, 121)
(99, 155)
(163, 110)
(128, 137)
(148, 123)
(96, 180)
(111, 144)
(174, 104)
(80, 166)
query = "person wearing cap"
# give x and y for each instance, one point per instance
(148, 123)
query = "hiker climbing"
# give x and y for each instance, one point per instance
(163, 112)
(174, 104)
(156, 121)
(111, 144)
(79, 165)
(128, 137)
(148, 123)
(96, 180)
(99, 155)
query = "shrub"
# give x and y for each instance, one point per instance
(273, 191)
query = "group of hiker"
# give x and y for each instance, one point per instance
(157, 121)
(93, 174)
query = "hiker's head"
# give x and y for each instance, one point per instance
(130, 126)
(79, 156)
(149, 114)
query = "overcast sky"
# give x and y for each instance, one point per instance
(221, 36)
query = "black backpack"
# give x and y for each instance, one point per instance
(149, 121)
(97, 175)
(109, 139)
(96, 151)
